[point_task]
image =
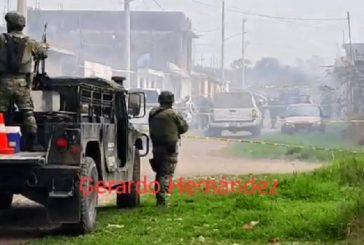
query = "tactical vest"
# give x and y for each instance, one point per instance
(15, 55)
(163, 128)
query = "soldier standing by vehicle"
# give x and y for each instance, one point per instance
(274, 111)
(17, 52)
(165, 127)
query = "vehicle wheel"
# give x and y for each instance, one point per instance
(257, 131)
(132, 198)
(88, 203)
(5, 201)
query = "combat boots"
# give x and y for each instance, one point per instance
(30, 143)
(161, 203)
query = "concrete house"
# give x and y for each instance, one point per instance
(161, 42)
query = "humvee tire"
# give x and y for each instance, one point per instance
(5, 200)
(132, 198)
(88, 203)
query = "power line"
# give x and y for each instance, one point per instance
(206, 4)
(248, 13)
(207, 31)
(286, 18)
(158, 4)
(234, 35)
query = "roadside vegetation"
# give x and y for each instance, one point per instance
(332, 141)
(321, 207)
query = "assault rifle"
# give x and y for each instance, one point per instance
(39, 76)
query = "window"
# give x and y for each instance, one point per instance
(303, 111)
(141, 83)
(96, 103)
(46, 101)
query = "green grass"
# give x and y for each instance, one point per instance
(321, 207)
(332, 140)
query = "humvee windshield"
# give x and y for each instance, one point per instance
(46, 101)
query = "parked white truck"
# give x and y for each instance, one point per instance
(234, 112)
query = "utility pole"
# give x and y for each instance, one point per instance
(350, 40)
(222, 64)
(202, 59)
(243, 81)
(127, 41)
(37, 4)
(7, 5)
(22, 8)
(352, 62)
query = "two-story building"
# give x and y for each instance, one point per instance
(158, 39)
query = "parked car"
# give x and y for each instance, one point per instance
(302, 117)
(234, 111)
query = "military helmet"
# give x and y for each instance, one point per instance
(15, 19)
(166, 97)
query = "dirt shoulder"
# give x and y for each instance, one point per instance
(207, 157)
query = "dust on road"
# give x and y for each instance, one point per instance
(27, 221)
(208, 157)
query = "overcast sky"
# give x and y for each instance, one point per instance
(285, 39)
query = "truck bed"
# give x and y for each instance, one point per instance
(37, 158)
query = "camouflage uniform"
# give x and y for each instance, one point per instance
(17, 53)
(165, 125)
(274, 111)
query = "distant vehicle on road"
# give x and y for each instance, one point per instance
(302, 117)
(291, 97)
(234, 112)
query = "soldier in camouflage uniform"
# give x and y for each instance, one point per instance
(165, 126)
(274, 110)
(17, 53)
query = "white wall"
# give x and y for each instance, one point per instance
(186, 88)
(149, 81)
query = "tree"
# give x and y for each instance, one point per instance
(237, 64)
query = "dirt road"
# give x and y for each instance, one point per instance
(207, 157)
(26, 221)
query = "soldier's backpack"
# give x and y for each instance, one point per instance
(162, 109)
(15, 47)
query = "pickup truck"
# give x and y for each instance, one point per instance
(234, 112)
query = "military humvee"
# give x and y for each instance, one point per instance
(85, 129)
